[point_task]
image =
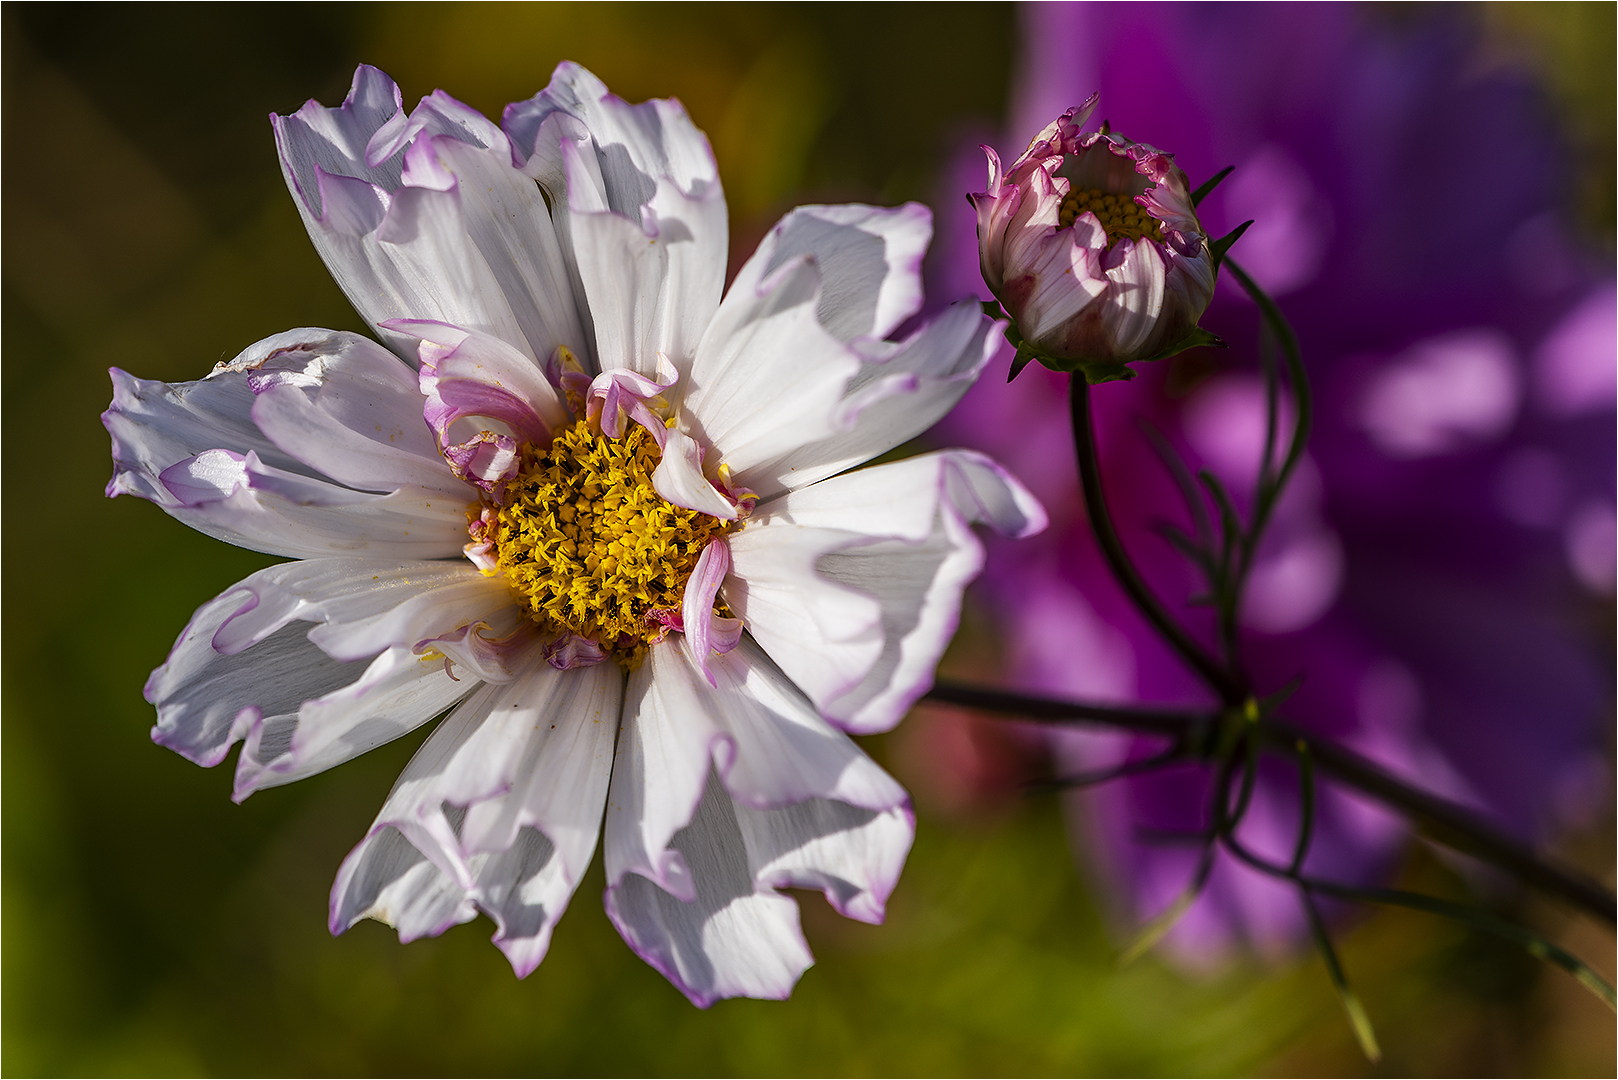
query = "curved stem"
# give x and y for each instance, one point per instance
(1229, 688)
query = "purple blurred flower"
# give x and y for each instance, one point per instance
(1091, 243)
(1455, 510)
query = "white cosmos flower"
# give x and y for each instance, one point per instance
(673, 602)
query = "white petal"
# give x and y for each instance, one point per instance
(738, 936)
(468, 373)
(636, 143)
(193, 449)
(728, 939)
(869, 259)
(447, 230)
(206, 701)
(768, 378)
(830, 634)
(665, 747)
(895, 537)
(522, 888)
(754, 726)
(260, 514)
(317, 140)
(900, 390)
(851, 854)
(241, 671)
(387, 879)
(649, 280)
(652, 286)
(679, 478)
(398, 693)
(504, 800)
(365, 605)
(350, 410)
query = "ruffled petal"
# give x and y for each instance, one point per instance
(316, 140)
(738, 936)
(751, 723)
(465, 373)
(652, 284)
(640, 210)
(207, 701)
(365, 605)
(812, 568)
(193, 449)
(869, 259)
(729, 939)
(304, 703)
(680, 479)
(665, 747)
(504, 802)
(636, 144)
(398, 692)
(426, 217)
(350, 410)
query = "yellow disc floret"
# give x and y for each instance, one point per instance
(1120, 215)
(590, 546)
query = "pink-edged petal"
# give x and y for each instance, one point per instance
(665, 748)
(207, 701)
(504, 801)
(728, 939)
(640, 212)
(522, 888)
(285, 514)
(768, 377)
(813, 566)
(751, 723)
(466, 373)
(900, 390)
(1057, 275)
(829, 634)
(304, 701)
(385, 878)
(737, 936)
(1134, 300)
(363, 605)
(869, 259)
(619, 396)
(851, 854)
(316, 140)
(636, 143)
(397, 694)
(350, 410)
(480, 651)
(193, 449)
(1126, 319)
(443, 227)
(488, 460)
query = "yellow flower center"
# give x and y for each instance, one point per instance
(1120, 215)
(590, 546)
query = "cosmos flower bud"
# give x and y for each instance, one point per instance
(1091, 243)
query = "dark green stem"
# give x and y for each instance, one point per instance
(1442, 820)
(1123, 569)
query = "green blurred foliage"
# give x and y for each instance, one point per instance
(152, 927)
